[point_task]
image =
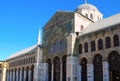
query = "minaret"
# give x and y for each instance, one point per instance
(39, 41)
(39, 56)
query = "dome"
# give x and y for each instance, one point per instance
(87, 6)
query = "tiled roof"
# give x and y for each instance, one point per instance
(22, 52)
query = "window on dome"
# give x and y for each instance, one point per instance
(91, 16)
(86, 15)
(81, 28)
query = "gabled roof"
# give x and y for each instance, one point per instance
(102, 24)
(22, 52)
(58, 17)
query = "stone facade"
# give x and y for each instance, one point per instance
(75, 47)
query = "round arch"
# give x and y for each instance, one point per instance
(64, 61)
(114, 66)
(49, 69)
(18, 75)
(56, 69)
(84, 69)
(27, 74)
(32, 73)
(98, 68)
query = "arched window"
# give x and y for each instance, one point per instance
(98, 68)
(86, 47)
(100, 44)
(84, 69)
(81, 28)
(116, 40)
(108, 42)
(93, 46)
(80, 48)
(91, 16)
(86, 15)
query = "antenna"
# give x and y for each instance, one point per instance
(85, 1)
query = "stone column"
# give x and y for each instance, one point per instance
(29, 76)
(52, 76)
(61, 72)
(105, 71)
(17, 77)
(24, 75)
(13, 75)
(111, 38)
(10, 76)
(90, 73)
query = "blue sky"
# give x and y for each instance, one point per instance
(20, 20)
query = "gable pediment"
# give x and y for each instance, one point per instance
(59, 17)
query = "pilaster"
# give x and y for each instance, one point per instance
(70, 43)
(17, 75)
(24, 75)
(79, 72)
(105, 71)
(29, 78)
(43, 72)
(52, 76)
(61, 70)
(90, 73)
(72, 68)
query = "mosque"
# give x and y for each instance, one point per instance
(76, 46)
